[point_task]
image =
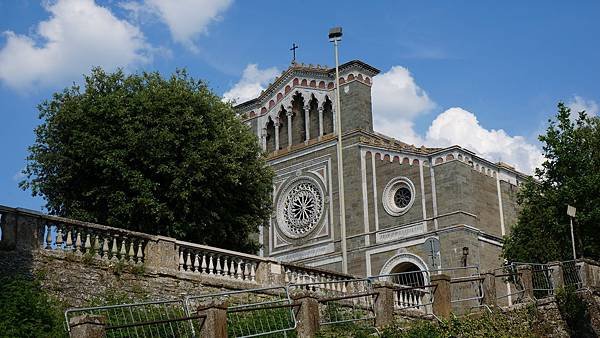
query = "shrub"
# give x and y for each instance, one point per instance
(27, 311)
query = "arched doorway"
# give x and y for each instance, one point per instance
(407, 270)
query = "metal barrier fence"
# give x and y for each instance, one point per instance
(572, 274)
(411, 290)
(253, 313)
(343, 301)
(541, 278)
(147, 319)
(509, 285)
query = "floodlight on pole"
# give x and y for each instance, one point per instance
(571, 212)
(335, 36)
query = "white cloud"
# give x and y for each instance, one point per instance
(396, 95)
(398, 102)
(578, 104)
(253, 81)
(185, 18)
(78, 35)
(461, 127)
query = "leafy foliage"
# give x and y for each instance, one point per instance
(569, 176)
(518, 324)
(574, 311)
(27, 311)
(146, 153)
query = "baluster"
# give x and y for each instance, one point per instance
(97, 246)
(252, 272)
(181, 261)
(88, 243)
(210, 264)
(114, 250)
(48, 237)
(188, 262)
(140, 253)
(237, 270)
(78, 242)
(123, 251)
(204, 266)
(69, 242)
(396, 300)
(232, 268)
(246, 270)
(105, 248)
(225, 267)
(286, 277)
(196, 263)
(59, 239)
(219, 271)
(132, 253)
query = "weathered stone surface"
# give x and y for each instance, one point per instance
(87, 326)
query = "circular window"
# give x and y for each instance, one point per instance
(398, 196)
(300, 207)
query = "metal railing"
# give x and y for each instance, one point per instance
(254, 312)
(145, 319)
(572, 274)
(343, 301)
(509, 286)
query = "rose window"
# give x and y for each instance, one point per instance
(300, 208)
(398, 196)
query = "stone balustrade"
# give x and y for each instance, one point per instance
(317, 278)
(410, 299)
(200, 259)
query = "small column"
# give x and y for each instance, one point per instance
(320, 121)
(442, 305)
(263, 139)
(289, 114)
(87, 326)
(307, 122)
(215, 323)
(308, 314)
(384, 304)
(277, 124)
(556, 271)
(489, 288)
(527, 279)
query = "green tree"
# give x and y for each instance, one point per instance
(570, 175)
(159, 155)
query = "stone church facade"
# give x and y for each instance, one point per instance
(407, 208)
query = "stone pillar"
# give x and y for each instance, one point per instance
(277, 125)
(289, 125)
(215, 323)
(161, 254)
(307, 122)
(29, 231)
(321, 121)
(489, 288)
(556, 271)
(307, 316)
(442, 297)
(384, 304)
(8, 226)
(263, 139)
(269, 273)
(87, 326)
(527, 279)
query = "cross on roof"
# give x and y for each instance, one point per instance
(293, 49)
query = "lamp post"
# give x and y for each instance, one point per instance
(335, 36)
(571, 212)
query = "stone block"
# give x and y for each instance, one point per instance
(87, 326)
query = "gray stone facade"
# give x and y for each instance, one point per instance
(451, 196)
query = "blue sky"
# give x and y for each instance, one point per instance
(483, 74)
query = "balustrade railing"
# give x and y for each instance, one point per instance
(104, 243)
(315, 277)
(411, 289)
(199, 259)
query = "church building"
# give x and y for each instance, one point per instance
(407, 207)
